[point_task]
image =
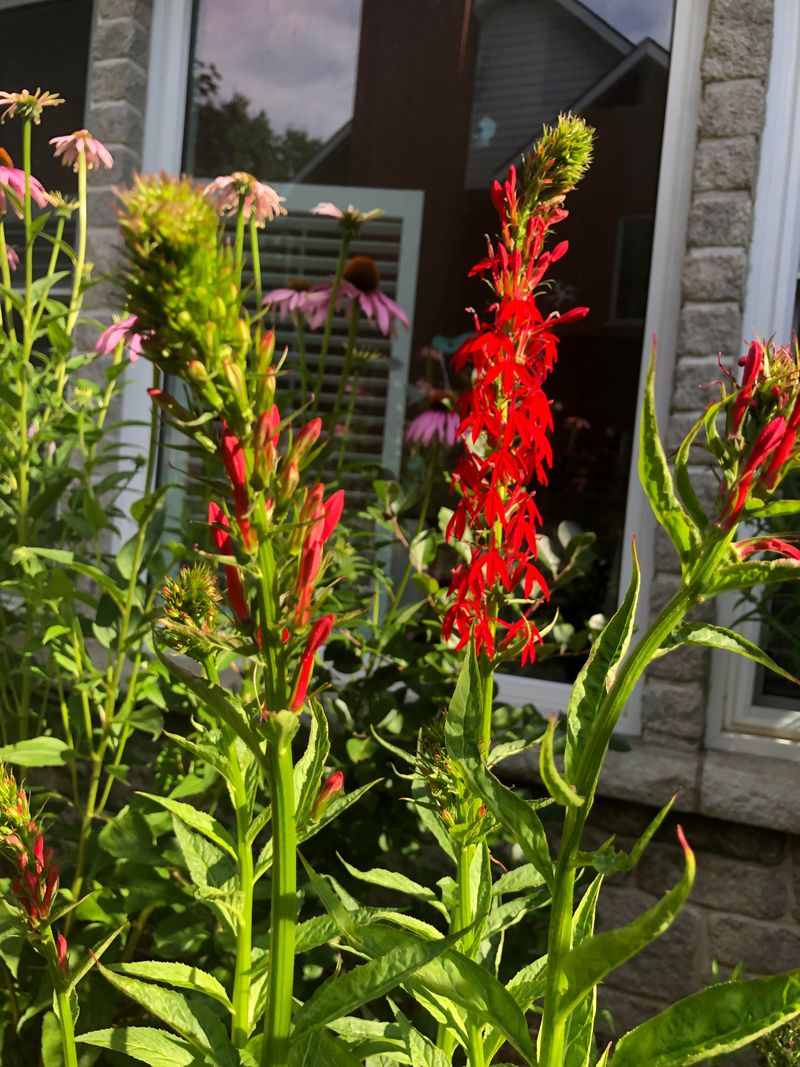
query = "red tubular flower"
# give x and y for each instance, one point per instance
(320, 632)
(767, 544)
(330, 789)
(753, 362)
(220, 527)
(233, 460)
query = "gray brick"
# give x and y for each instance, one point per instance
(122, 38)
(708, 329)
(680, 423)
(695, 380)
(753, 790)
(117, 79)
(667, 967)
(104, 249)
(720, 219)
(725, 164)
(117, 123)
(764, 948)
(684, 664)
(102, 208)
(673, 712)
(117, 9)
(736, 52)
(666, 559)
(732, 108)
(747, 13)
(662, 588)
(722, 884)
(624, 1008)
(714, 274)
(650, 774)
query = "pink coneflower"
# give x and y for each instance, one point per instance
(81, 143)
(435, 424)
(124, 332)
(292, 300)
(227, 191)
(12, 180)
(13, 258)
(360, 280)
(350, 214)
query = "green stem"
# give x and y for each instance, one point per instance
(74, 304)
(283, 916)
(305, 380)
(238, 254)
(5, 273)
(60, 988)
(326, 335)
(463, 918)
(256, 254)
(240, 1023)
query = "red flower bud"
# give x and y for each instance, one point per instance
(320, 632)
(329, 789)
(218, 521)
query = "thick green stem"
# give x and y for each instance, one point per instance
(80, 263)
(326, 334)
(240, 1023)
(462, 919)
(283, 917)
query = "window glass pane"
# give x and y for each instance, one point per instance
(441, 98)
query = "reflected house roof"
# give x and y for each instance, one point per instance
(535, 59)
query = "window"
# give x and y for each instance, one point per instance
(437, 101)
(750, 710)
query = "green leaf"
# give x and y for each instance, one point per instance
(462, 729)
(193, 1023)
(201, 821)
(203, 752)
(710, 636)
(589, 963)
(177, 975)
(683, 482)
(656, 479)
(518, 879)
(309, 768)
(597, 675)
(400, 883)
(608, 860)
(345, 992)
(36, 752)
(752, 572)
(145, 1044)
(321, 1049)
(67, 559)
(710, 1023)
(560, 790)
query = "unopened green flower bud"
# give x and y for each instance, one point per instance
(184, 318)
(289, 481)
(235, 379)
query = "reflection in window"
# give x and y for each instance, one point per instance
(441, 98)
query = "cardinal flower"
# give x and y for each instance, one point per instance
(220, 531)
(318, 635)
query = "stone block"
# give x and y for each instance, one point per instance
(739, 39)
(624, 1010)
(669, 967)
(732, 108)
(119, 9)
(680, 422)
(764, 948)
(722, 884)
(694, 383)
(104, 249)
(707, 329)
(752, 790)
(117, 123)
(673, 712)
(725, 163)
(650, 774)
(117, 79)
(717, 274)
(662, 588)
(122, 38)
(666, 559)
(720, 220)
(102, 207)
(684, 664)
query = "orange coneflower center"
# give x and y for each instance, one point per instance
(5, 158)
(362, 272)
(299, 285)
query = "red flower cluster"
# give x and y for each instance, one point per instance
(318, 519)
(505, 421)
(764, 427)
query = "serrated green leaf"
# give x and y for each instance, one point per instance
(597, 675)
(656, 479)
(683, 483)
(607, 860)
(193, 1023)
(560, 790)
(590, 962)
(750, 573)
(710, 1023)
(309, 768)
(178, 976)
(518, 879)
(154, 1047)
(400, 883)
(67, 559)
(195, 819)
(321, 1049)
(580, 1032)
(705, 634)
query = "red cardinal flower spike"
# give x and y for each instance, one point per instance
(505, 414)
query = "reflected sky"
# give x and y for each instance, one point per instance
(297, 60)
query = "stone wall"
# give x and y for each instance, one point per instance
(745, 906)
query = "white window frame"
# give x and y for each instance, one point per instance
(735, 721)
(164, 123)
